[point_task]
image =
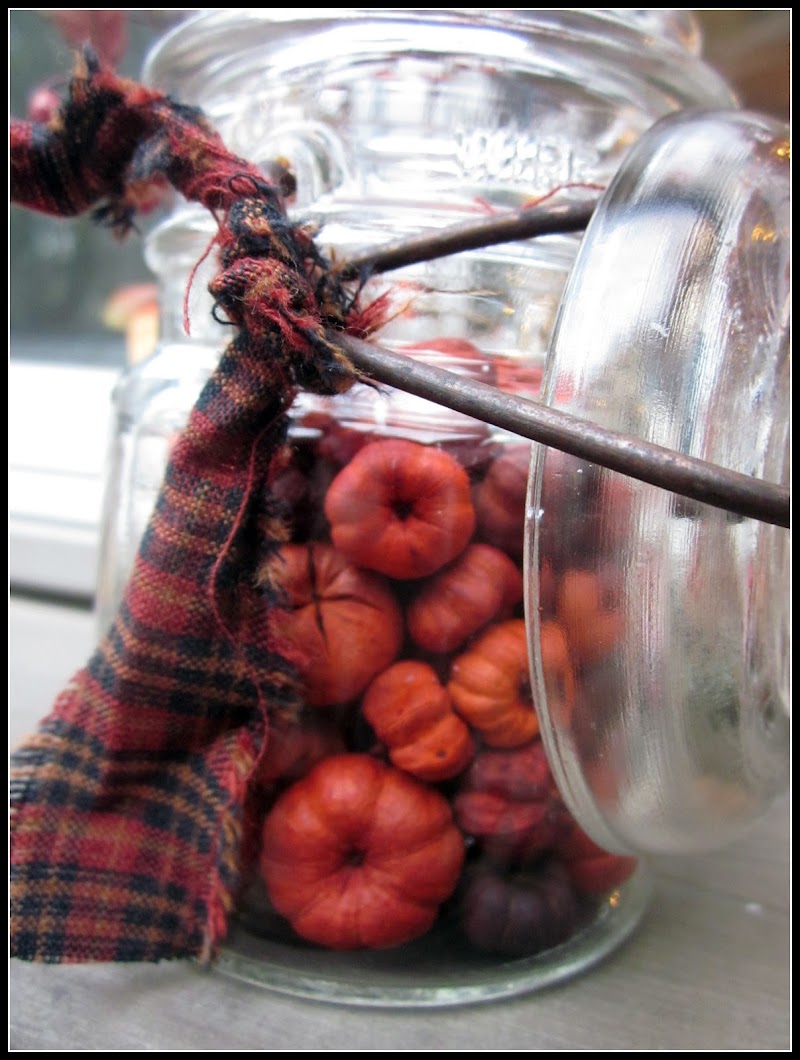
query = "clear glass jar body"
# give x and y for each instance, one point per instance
(397, 123)
(152, 400)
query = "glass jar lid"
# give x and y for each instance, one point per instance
(674, 328)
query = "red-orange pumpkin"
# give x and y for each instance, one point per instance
(501, 500)
(341, 625)
(336, 443)
(509, 803)
(476, 587)
(592, 869)
(401, 508)
(457, 349)
(490, 686)
(358, 854)
(411, 714)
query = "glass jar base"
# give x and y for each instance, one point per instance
(436, 971)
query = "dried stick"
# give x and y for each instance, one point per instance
(682, 474)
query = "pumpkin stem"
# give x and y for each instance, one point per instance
(402, 509)
(316, 598)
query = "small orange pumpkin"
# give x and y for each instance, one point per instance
(490, 686)
(588, 609)
(341, 625)
(475, 588)
(501, 500)
(358, 854)
(558, 672)
(411, 714)
(509, 803)
(400, 508)
(592, 869)
(336, 443)
(516, 378)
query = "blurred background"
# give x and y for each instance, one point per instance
(83, 265)
(752, 50)
(71, 335)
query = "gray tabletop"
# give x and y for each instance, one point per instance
(708, 968)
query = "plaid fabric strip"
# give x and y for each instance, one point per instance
(127, 803)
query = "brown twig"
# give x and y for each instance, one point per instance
(677, 472)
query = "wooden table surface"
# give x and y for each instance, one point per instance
(708, 968)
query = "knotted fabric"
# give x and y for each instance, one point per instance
(127, 804)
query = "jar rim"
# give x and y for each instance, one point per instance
(662, 48)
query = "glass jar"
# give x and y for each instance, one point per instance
(452, 870)
(153, 398)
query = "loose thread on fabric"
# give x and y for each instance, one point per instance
(187, 326)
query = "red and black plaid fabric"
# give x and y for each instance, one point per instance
(127, 803)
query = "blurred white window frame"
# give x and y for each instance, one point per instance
(59, 429)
